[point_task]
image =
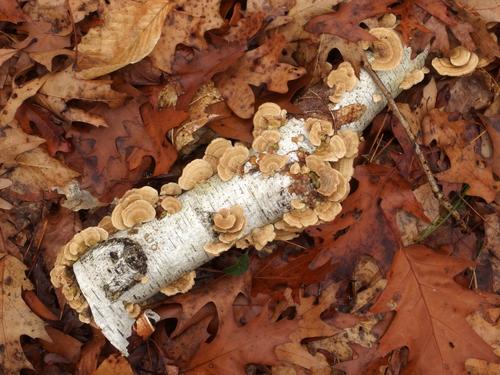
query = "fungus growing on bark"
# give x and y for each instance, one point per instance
(229, 222)
(171, 204)
(328, 178)
(214, 151)
(266, 140)
(297, 204)
(318, 130)
(387, 50)
(328, 210)
(300, 218)
(351, 141)
(123, 218)
(268, 116)
(460, 63)
(271, 163)
(231, 161)
(295, 168)
(137, 212)
(133, 309)
(194, 173)
(182, 285)
(341, 80)
(413, 77)
(388, 20)
(216, 248)
(106, 224)
(345, 166)
(260, 237)
(170, 188)
(332, 150)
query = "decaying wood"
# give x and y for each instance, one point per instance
(134, 265)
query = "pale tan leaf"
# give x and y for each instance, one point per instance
(114, 364)
(16, 318)
(38, 171)
(116, 43)
(6, 53)
(489, 10)
(65, 85)
(14, 141)
(18, 96)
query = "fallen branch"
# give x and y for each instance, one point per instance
(159, 252)
(443, 201)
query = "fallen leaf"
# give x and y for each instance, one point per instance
(256, 67)
(18, 96)
(13, 142)
(488, 10)
(226, 124)
(87, 363)
(421, 289)
(10, 11)
(185, 25)
(115, 44)
(6, 53)
(62, 344)
(114, 364)
(345, 21)
(479, 367)
(37, 306)
(66, 85)
(458, 139)
(367, 223)
(16, 318)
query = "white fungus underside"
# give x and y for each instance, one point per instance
(174, 244)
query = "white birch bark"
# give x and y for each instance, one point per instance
(165, 249)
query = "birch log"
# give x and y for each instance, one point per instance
(164, 249)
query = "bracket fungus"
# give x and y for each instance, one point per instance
(268, 116)
(194, 173)
(215, 150)
(171, 188)
(329, 178)
(229, 222)
(171, 205)
(260, 237)
(341, 80)
(387, 49)
(413, 77)
(460, 63)
(318, 130)
(271, 163)
(231, 162)
(135, 207)
(332, 150)
(300, 218)
(266, 140)
(328, 210)
(182, 285)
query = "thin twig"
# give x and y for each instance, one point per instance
(443, 201)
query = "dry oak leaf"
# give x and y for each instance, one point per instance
(458, 140)
(368, 223)
(129, 32)
(18, 96)
(186, 24)
(10, 11)
(258, 66)
(114, 365)
(345, 21)
(13, 142)
(16, 318)
(67, 86)
(421, 289)
(310, 326)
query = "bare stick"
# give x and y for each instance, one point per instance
(443, 201)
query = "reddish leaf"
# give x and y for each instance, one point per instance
(421, 286)
(345, 21)
(228, 125)
(367, 224)
(10, 11)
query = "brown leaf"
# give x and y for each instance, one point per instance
(258, 66)
(186, 26)
(10, 11)
(367, 223)
(14, 142)
(90, 353)
(16, 318)
(62, 344)
(421, 289)
(115, 43)
(113, 365)
(227, 125)
(37, 306)
(457, 139)
(345, 21)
